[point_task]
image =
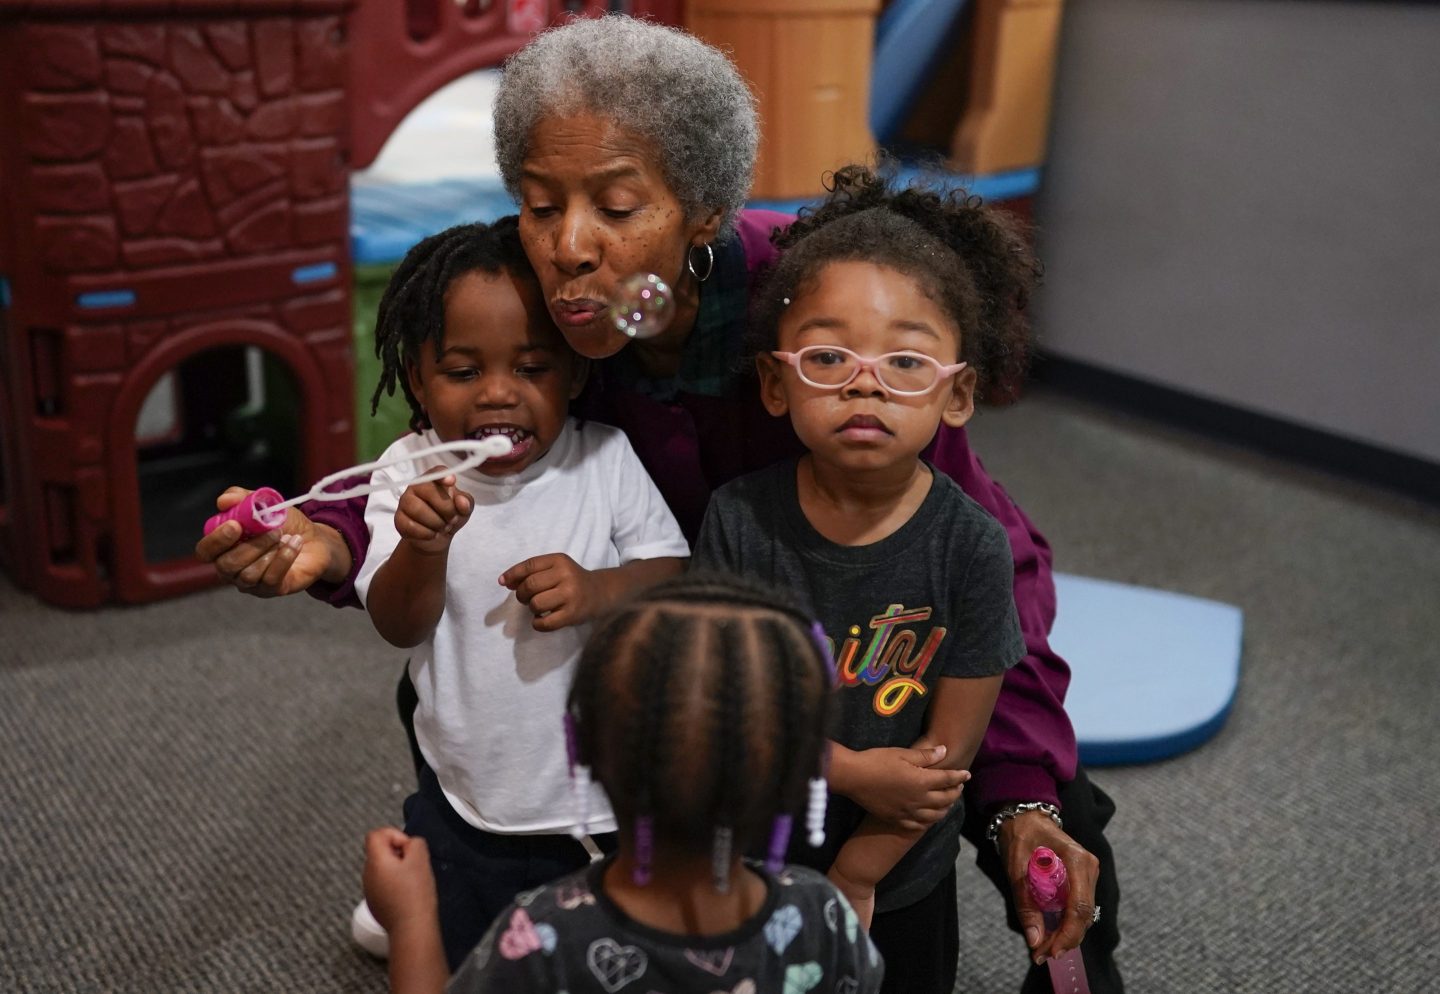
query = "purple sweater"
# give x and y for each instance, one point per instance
(694, 443)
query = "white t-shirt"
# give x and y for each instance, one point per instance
(492, 690)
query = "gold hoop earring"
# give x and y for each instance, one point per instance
(709, 262)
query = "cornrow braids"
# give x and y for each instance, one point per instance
(790, 783)
(412, 309)
(649, 732)
(784, 785)
(729, 742)
(985, 288)
(673, 708)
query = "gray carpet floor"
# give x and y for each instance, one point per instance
(186, 783)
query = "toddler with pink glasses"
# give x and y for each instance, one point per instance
(880, 322)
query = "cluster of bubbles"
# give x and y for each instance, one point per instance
(643, 306)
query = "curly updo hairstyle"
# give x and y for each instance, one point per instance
(684, 98)
(973, 261)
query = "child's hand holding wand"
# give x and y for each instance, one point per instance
(407, 595)
(431, 513)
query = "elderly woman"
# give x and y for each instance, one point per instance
(630, 149)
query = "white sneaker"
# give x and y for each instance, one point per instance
(367, 933)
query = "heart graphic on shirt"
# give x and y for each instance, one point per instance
(746, 986)
(521, 938)
(802, 977)
(571, 897)
(782, 927)
(714, 961)
(833, 909)
(848, 985)
(852, 920)
(615, 965)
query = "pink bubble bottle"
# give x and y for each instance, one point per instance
(1050, 888)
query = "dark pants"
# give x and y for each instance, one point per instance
(477, 873)
(1086, 810)
(920, 943)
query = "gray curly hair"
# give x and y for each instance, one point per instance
(685, 98)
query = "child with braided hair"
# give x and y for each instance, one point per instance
(568, 522)
(885, 313)
(702, 707)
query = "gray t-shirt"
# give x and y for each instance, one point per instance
(934, 599)
(569, 936)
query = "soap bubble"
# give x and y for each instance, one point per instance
(643, 306)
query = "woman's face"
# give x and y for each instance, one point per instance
(594, 210)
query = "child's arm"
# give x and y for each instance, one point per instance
(561, 592)
(407, 595)
(400, 889)
(958, 716)
(911, 788)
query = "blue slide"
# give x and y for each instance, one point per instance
(910, 44)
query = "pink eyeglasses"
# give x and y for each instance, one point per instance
(829, 367)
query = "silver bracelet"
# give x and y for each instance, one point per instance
(1010, 811)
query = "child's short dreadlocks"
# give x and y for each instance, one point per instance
(412, 311)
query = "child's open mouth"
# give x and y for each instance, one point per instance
(516, 435)
(520, 441)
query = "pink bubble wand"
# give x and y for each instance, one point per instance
(1050, 888)
(263, 510)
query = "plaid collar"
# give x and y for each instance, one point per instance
(712, 356)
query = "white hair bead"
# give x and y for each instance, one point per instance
(815, 811)
(580, 784)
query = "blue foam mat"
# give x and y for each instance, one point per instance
(1153, 673)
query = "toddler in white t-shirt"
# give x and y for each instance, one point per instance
(491, 576)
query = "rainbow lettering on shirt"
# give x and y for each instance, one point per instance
(889, 659)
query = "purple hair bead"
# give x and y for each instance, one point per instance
(817, 632)
(779, 843)
(572, 748)
(644, 849)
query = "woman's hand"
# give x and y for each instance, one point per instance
(1019, 837)
(279, 562)
(898, 785)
